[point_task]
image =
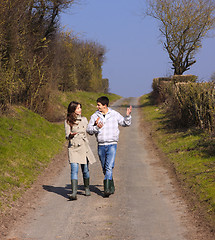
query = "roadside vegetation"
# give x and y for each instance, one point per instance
(37, 57)
(191, 153)
(29, 142)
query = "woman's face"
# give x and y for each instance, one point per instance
(78, 110)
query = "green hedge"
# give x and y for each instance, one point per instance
(187, 103)
(193, 104)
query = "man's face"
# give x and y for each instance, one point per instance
(101, 108)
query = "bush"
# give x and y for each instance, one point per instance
(193, 105)
(161, 89)
(186, 102)
(184, 78)
(162, 86)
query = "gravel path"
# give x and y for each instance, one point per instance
(145, 206)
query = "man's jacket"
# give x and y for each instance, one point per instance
(109, 133)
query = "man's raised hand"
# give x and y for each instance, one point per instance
(129, 111)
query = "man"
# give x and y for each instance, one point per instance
(104, 123)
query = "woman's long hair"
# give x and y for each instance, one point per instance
(71, 116)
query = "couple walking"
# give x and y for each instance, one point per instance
(104, 123)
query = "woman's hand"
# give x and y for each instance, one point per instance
(71, 135)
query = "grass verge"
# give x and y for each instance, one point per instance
(192, 154)
(28, 143)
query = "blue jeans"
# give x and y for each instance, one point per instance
(107, 154)
(74, 170)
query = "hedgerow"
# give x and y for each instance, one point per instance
(187, 103)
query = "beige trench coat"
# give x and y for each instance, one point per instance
(78, 148)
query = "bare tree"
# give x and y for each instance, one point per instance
(183, 25)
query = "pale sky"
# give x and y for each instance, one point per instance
(134, 54)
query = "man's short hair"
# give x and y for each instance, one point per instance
(103, 100)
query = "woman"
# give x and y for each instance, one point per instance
(79, 151)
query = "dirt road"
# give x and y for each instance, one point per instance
(145, 205)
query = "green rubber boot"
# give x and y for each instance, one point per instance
(74, 184)
(107, 188)
(87, 186)
(112, 187)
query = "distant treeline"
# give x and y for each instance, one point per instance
(36, 57)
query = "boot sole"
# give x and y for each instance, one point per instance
(72, 198)
(107, 194)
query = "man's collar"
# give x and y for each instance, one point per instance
(106, 112)
(102, 112)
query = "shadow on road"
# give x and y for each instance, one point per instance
(64, 191)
